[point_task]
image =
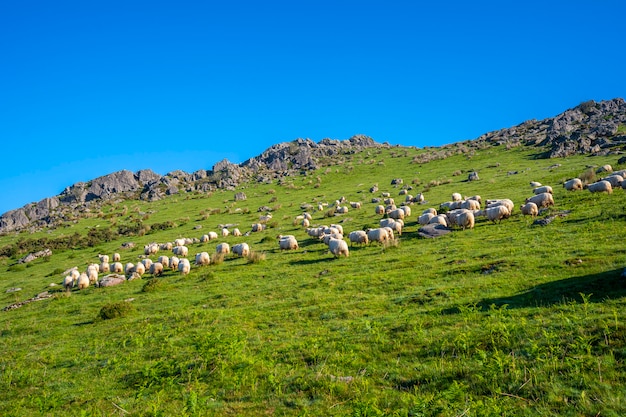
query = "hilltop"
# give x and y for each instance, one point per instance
(590, 128)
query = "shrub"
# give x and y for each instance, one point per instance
(114, 310)
(588, 177)
(256, 257)
(153, 284)
(217, 258)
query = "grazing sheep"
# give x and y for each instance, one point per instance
(104, 258)
(212, 235)
(379, 235)
(470, 205)
(529, 209)
(140, 269)
(204, 238)
(573, 184)
(439, 219)
(236, 232)
(385, 195)
(305, 223)
(68, 282)
(166, 246)
(258, 227)
(600, 187)
(419, 198)
(116, 257)
(430, 210)
(184, 266)
(407, 211)
(165, 260)
(156, 269)
(129, 268)
(223, 248)
(225, 232)
(338, 248)
(358, 237)
(202, 258)
(403, 192)
(615, 180)
(174, 261)
(397, 214)
(241, 249)
(83, 281)
(389, 201)
(395, 225)
(501, 202)
(147, 262)
(266, 218)
(341, 210)
(104, 267)
(535, 184)
(475, 198)
(355, 205)
(150, 249)
(542, 200)
(425, 218)
(338, 228)
(465, 219)
(288, 242)
(92, 273)
(604, 168)
(456, 197)
(74, 273)
(497, 213)
(543, 189)
(179, 242)
(307, 216)
(117, 267)
(326, 238)
(380, 210)
(180, 251)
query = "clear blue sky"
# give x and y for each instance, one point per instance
(91, 87)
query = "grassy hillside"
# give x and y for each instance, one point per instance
(504, 319)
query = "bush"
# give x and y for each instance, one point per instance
(114, 310)
(153, 284)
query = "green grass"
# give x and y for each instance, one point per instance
(504, 319)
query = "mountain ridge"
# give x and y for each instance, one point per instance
(592, 128)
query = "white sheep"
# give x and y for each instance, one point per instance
(140, 269)
(184, 266)
(117, 267)
(223, 248)
(475, 198)
(501, 202)
(439, 219)
(543, 189)
(615, 180)
(288, 242)
(129, 268)
(425, 218)
(573, 184)
(407, 211)
(241, 249)
(604, 168)
(535, 184)
(212, 236)
(337, 228)
(358, 237)
(396, 214)
(379, 235)
(68, 282)
(338, 248)
(204, 238)
(430, 210)
(355, 205)
(225, 232)
(305, 223)
(150, 249)
(497, 213)
(236, 232)
(116, 257)
(307, 216)
(465, 219)
(147, 262)
(600, 187)
(202, 258)
(179, 242)
(166, 246)
(92, 273)
(542, 200)
(83, 281)
(174, 261)
(258, 227)
(380, 210)
(156, 269)
(104, 267)
(529, 209)
(165, 260)
(104, 258)
(456, 197)
(470, 205)
(395, 225)
(182, 251)
(341, 210)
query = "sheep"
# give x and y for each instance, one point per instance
(156, 269)
(475, 198)
(430, 210)
(83, 281)
(68, 282)
(236, 232)
(180, 251)
(403, 192)
(355, 205)
(117, 268)
(212, 236)
(535, 184)
(305, 223)
(604, 168)
(409, 199)
(338, 228)
(104, 267)
(377, 235)
(258, 227)
(396, 214)
(147, 262)
(241, 249)
(223, 248)
(129, 268)
(166, 246)
(307, 216)
(497, 213)
(202, 258)
(225, 232)
(380, 210)
(116, 257)
(389, 231)
(174, 261)
(529, 209)
(179, 242)
(358, 237)
(542, 200)
(184, 266)
(615, 180)
(418, 198)
(204, 238)
(600, 187)
(326, 237)
(288, 242)
(165, 260)
(407, 210)
(395, 225)
(92, 273)
(150, 249)
(341, 210)
(470, 205)
(425, 218)
(389, 201)
(439, 219)
(456, 197)
(465, 219)
(501, 202)
(104, 258)
(385, 195)
(140, 269)
(573, 184)
(338, 248)
(266, 218)
(542, 189)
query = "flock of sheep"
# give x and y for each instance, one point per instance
(459, 212)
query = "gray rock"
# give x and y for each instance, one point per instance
(473, 176)
(240, 196)
(433, 230)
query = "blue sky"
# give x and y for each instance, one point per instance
(91, 87)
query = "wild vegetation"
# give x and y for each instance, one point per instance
(508, 318)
